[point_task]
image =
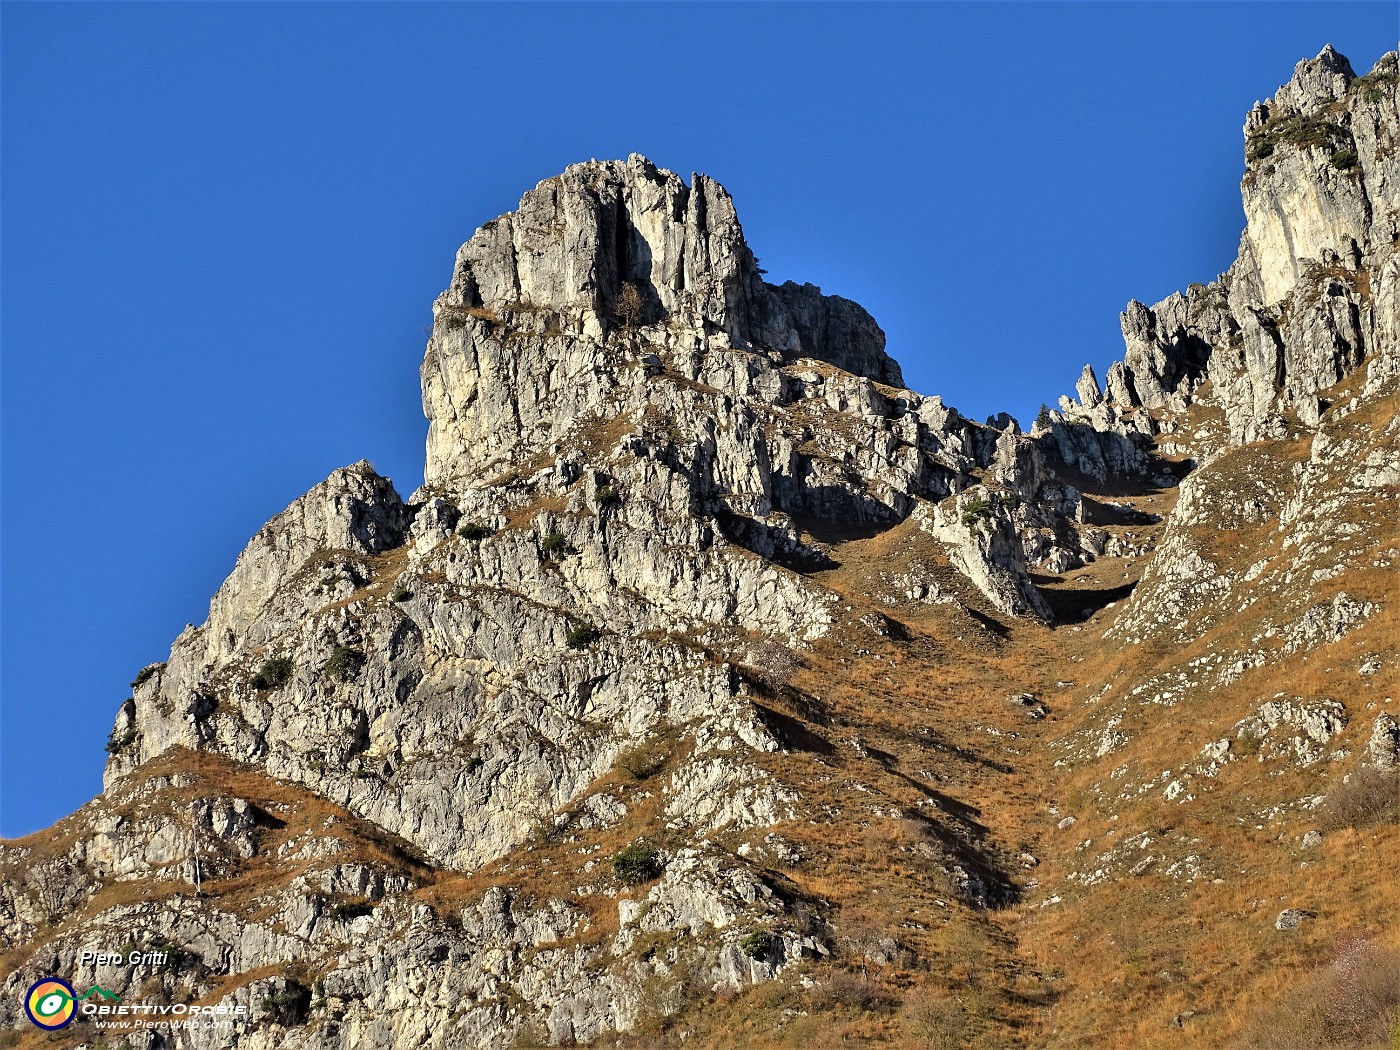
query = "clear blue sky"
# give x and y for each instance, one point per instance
(224, 225)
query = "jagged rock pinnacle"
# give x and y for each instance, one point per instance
(555, 268)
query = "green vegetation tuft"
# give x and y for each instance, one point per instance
(637, 863)
(176, 958)
(1302, 130)
(1344, 159)
(976, 510)
(756, 944)
(348, 910)
(581, 635)
(272, 673)
(145, 675)
(343, 662)
(474, 530)
(1376, 85)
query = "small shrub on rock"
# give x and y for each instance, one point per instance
(637, 863)
(639, 762)
(607, 496)
(343, 662)
(629, 305)
(581, 635)
(145, 675)
(348, 910)
(289, 1006)
(974, 511)
(176, 958)
(756, 944)
(474, 530)
(272, 673)
(554, 546)
(400, 594)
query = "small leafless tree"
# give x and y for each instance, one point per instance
(939, 1022)
(629, 305)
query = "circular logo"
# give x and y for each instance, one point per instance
(50, 1004)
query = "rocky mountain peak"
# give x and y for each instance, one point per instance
(1317, 81)
(1314, 288)
(1321, 173)
(709, 656)
(594, 262)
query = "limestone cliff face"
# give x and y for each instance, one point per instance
(644, 468)
(759, 405)
(1313, 297)
(1322, 181)
(1314, 289)
(601, 491)
(552, 272)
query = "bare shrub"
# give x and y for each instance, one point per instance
(640, 762)
(1353, 1001)
(907, 831)
(771, 665)
(1361, 994)
(936, 1021)
(857, 991)
(660, 998)
(869, 946)
(1367, 797)
(967, 953)
(629, 305)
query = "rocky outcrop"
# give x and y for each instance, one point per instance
(1383, 746)
(605, 470)
(317, 939)
(552, 273)
(1313, 290)
(635, 445)
(708, 393)
(599, 487)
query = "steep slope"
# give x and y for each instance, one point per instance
(1222, 744)
(715, 686)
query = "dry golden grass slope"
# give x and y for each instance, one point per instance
(1092, 869)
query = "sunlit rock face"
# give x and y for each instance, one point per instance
(552, 271)
(1316, 285)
